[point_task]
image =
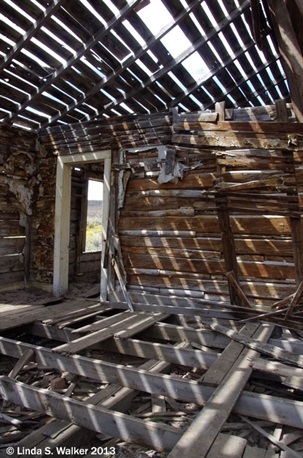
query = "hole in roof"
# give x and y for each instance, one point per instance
(57, 39)
(195, 100)
(195, 66)
(183, 107)
(107, 94)
(176, 41)
(111, 6)
(52, 97)
(48, 50)
(177, 81)
(155, 16)
(209, 15)
(139, 103)
(21, 126)
(38, 5)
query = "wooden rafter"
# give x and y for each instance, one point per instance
(75, 58)
(172, 64)
(96, 70)
(117, 71)
(291, 53)
(50, 10)
(215, 72)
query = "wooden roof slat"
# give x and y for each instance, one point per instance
(86, 75)
(105, 53)
(88, 45)
(62, 32)
(53, 44)
(85, 18)
(217, 70)
(66, 17)
(115, 46)
(31, 8)
(30, 31)
(15, 16)
(10, 33)
(176, 61)
(50, 61)
(7, 103)
(18, 82)
(127, 64)
(11, 92)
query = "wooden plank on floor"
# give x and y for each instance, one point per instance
(264, 407)
(271, 438)
(266, 349)
(232, 378)
(133, 347)
(60, 433)
(215, 375)
(104, 371)
(254, 452)
(281, 370)
(152, 350)
(166, 331)
(158, 436)
(123, 324)
(204, 311)
(27, 315)
(142, 324)
(209, 338)
(227, 446)
(109, 326)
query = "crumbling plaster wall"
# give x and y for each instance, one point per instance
(42, 243)
(27, 203)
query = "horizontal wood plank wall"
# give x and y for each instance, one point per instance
(17, 183)
(170, 233)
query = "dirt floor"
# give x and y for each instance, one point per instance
(36, 296)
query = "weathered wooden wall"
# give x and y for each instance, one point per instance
(235, 206)
(18, 185)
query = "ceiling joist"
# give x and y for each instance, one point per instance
(61, 63)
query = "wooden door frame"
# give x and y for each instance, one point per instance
(62, 215)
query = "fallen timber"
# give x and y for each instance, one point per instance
(151, 337)
(265, 407)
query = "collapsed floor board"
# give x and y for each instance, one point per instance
(159, 368)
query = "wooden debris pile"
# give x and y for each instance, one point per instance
(143, 383)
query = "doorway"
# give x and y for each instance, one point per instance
(62, 215)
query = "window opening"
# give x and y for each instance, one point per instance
(93, 235)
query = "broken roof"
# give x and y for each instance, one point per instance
(64, 62)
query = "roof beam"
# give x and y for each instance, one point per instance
(188, 52)
(213, 73)
(300, 5)
(129, 61)
(169, 67)
(290, 52)
(29, 34)
(57, 73)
